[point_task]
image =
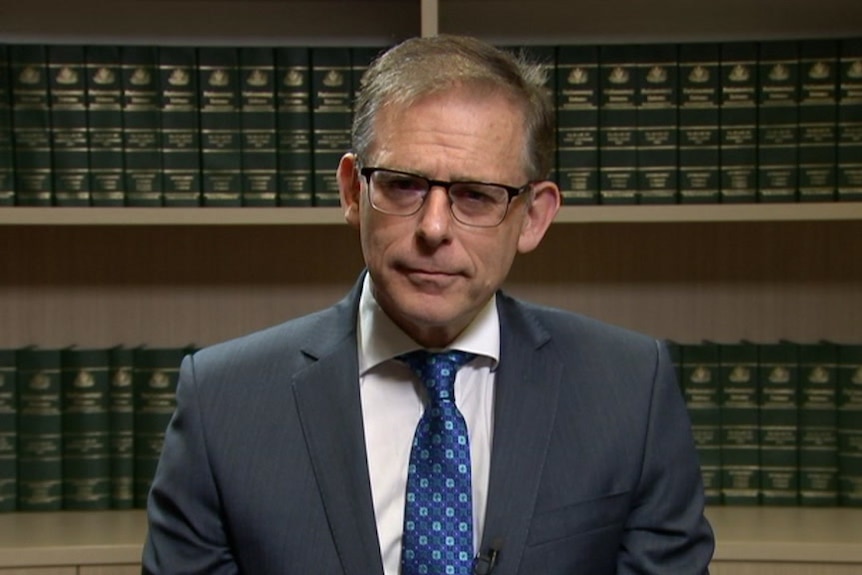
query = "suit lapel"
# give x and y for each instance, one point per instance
(526, 391)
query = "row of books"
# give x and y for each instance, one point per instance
(776, 423)
(757, 121)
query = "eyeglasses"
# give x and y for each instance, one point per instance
(476, 204)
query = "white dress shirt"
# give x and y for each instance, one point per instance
(393, 401)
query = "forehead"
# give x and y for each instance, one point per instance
(459, 133)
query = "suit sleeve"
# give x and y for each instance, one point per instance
(185, 534)
(666, 531)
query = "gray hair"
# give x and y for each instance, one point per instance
(422, 66)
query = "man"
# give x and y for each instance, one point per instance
(292, 450)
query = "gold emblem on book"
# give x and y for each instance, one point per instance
(698, 75)
(84, 379)
(701, 374)
(657, 75)
(140, 77)
(219, 78)
(66, 76)
(818, 374)
(104, 76)
(29, 75)
(740, 374)
(739, 73)
(40, 381)
(333, 78)
(159, 380)
(855, 70)
(779, 73)
(179, 77)
(819, 71)
(122, 377)
(257, 78)
(293, 78)
(618, 75)
(578, 76)
(779, 374)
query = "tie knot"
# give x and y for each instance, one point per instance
(437, 370)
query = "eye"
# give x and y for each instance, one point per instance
(477, 194)
(395, 182)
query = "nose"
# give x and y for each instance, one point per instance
(435, 217)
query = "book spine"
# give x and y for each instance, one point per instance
(850, 122)
(779, 423)
(31, 125)
(180, 132)
(221, 150)
(258, 129)
(618, 124)
(850, 425)
(740, 444)
(331, 118)
(293, 118)
(7, 160)
(578, 123)
(86, 429)
(778, 132)
(657, 104)
(8, 431)
(155, 386)
(69, 134)
(40, 439)
(142, 154)
(818, 120)
(700, 383)
(122, 425)
(818, 425)
(699, 117)
(738, 122)
(105, 120)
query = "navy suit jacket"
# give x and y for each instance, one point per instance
(593, 468)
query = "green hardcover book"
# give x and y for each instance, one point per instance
(657, 104)
(293, 119)
(7, 160)
(121, 404)
(578, 123)
(86, 429)
(818, 424)
(700, 384)
(8, 431)
(258, 129)
(850, 425)
(142, 140)
(777, 118)
(155, 386)
(105, 119)
(181, 166)
(740, 443)
(618, 124)
(850, 122)
(221, 148)
(818, 120)
(779, 423)
(31, 125)
(67, 76)
(331, 118)
(738, 122)
(40, 430)
(699, 117)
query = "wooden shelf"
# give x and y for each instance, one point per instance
(95, 216)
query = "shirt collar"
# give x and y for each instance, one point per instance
(380, 339)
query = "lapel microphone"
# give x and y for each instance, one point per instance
(485, 562)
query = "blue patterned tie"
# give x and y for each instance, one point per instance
(438, 514)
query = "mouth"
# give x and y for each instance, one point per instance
(428, 275)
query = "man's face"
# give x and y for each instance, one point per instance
(431, 273)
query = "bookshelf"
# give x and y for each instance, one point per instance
(100, 276)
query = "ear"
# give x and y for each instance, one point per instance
(349, 188)
(540, 213)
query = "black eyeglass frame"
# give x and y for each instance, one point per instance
(368, 171)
